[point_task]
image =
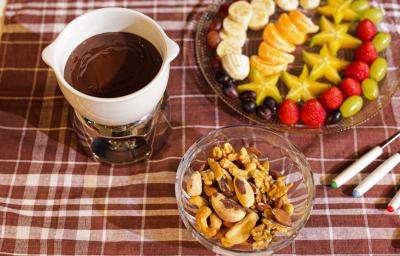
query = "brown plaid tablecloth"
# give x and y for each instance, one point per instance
(56, 200)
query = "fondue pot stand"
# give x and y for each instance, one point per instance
(124, 144)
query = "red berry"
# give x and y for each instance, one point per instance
(288, 112)
(366, 30)
(213, 39)
(350, 87)
(331, 98)
(216, 24)
(357, 70)
(313, 113)
(366, 52)
(223, 10)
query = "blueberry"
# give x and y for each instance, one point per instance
(271, 104)
(249, 106)
(264, 112)
(248, 95)
(334, 117)
(230, 91)
(222, 77)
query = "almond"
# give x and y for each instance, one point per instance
(282, 217)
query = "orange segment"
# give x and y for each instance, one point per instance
(289, 30)
(302, 22)
(273, 56)
(272, 36)
(265, 68)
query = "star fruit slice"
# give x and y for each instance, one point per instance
(302, 22)
(273, 56)
(325, 64)
(264, 86)
(272, 36)
(302, 88)
(265, 68)
(339, 10)
(287, 28)
(336, 36)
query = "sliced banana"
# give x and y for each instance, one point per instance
(259, 16)
(288, 5)
(232, 27)
(309, 4)
(237, 66)
(269, 4)
(240, 38)
(228, 46)
(240, 11)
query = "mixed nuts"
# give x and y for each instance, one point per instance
(239, 199)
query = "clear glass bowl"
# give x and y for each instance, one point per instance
(387, 86)
(283, 156)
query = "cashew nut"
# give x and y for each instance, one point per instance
(227, 209)
(201, 219)
(209, 190)
(233, 169)
(241, 231)
(194, 184)
(244, 192)
(198, 201)
(216, 168)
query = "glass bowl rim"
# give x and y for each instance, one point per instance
(306, 173)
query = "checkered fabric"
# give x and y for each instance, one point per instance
(55, 200)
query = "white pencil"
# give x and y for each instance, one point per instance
(394, 203)
(361, 163)
(376, 175)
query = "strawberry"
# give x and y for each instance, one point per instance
(313, 113)
(331, 98)
(357, 70)
(366, 30)
(350, 87)
(288, 112)
(366, 52)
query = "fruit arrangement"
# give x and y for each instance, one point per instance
(329, 87)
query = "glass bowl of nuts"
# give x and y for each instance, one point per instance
(244, 190)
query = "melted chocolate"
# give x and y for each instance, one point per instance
(112, 64)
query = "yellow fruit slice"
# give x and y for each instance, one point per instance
(265, 68)
(302, 88)
(289, 30)
(339, 10)
(303, 23)
(325, 64)
(272, 36)
(273, 56)
(264, 86)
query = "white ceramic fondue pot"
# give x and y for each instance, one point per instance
(120, 110)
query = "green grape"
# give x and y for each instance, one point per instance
(351, 106)
(360, 6)
(373, 14)
(381, 41)
(378, 69)
(370, 89)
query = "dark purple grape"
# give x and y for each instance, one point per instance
(264, 112)
(248, 95)
(271, 104)
(334, 117)
(230, 91)
(216, 63)
(222, 77)
(249, 106)
(223, 10)
(216, 24)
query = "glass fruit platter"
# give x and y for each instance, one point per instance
(211, 68)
